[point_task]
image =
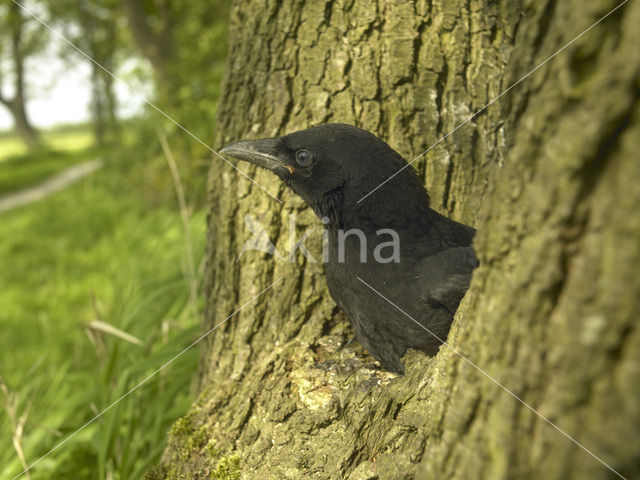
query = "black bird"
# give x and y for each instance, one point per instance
(425, 270)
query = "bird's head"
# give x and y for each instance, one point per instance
(330, 166)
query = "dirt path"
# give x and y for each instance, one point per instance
(54, 184)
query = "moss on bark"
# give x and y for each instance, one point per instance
(548, 175)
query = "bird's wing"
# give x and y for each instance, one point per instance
(444, 277)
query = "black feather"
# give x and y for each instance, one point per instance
(436, 259)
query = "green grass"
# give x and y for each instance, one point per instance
(94, 251)
(20, 169)
(23, 171)
(11, 146)
(69, 139)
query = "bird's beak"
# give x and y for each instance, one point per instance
(259, 152)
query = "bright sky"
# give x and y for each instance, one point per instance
(60, 91)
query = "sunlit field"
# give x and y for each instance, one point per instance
(62, 148)
(69, 139)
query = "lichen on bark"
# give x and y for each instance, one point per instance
(547, 174)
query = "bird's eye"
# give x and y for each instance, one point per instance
(303, 157)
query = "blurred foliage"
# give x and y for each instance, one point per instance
(94, 27)
(187, 90)
(95, 251)
(34, 34)
(21, 36)
(62, 139)
(110, 248)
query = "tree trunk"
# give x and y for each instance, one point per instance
(103, 106)
(97, 106)
(111, 104)
(99, 38)
(155, 44)
(548, 175)
(21, 122)
(16, 104)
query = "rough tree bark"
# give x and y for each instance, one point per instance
(548, 175)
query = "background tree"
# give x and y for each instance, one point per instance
(62, 375)
(20, 37)
(548, 176)
(94, 27)
(186, 44)
(177, 39)
(151, 23)
(99, 24)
